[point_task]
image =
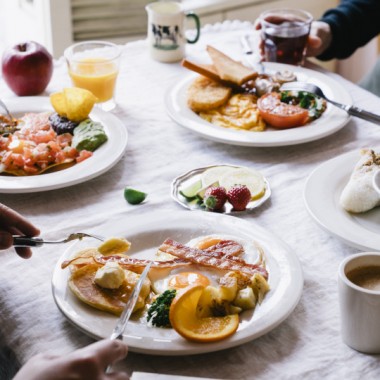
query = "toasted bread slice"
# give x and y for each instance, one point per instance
(208, 71)
(228, 69)
(204, 94)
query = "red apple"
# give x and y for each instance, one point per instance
(27, 68)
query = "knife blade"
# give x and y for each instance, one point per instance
(119, 328)
(252, 59)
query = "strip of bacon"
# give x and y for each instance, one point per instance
(228, 247)
(129, 263)
(135, 265)
(200, 257)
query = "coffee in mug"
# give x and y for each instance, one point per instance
(367, 277)
(166, 30)
(359, 301)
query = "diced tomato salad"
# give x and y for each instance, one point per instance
(35, 147)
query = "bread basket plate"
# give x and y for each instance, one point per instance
(332, 120)
(194, 175)
(146, 231)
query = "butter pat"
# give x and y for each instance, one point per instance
(110, 276)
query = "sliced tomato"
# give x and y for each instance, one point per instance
(281, 115)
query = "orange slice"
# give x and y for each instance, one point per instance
(184, 319)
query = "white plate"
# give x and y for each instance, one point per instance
(321, 195)
(331, 121)
(102, 160)
(147, 232)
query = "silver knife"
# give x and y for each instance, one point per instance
(121, 324)
(250, 56)
(117, 332)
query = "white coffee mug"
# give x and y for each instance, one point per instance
(359, 307)
(166, 30)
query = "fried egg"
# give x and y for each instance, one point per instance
(251, 254)
(177, 278)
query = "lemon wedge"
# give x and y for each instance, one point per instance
(212, 175)
(253, 179)
(184, 319)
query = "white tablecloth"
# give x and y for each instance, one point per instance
(308, 344)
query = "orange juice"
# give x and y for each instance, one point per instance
(96, 75)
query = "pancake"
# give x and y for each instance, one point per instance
(82, 284)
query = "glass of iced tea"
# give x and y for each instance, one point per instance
(284, 35)
(94, 65)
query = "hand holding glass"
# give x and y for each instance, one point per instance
(284, 33)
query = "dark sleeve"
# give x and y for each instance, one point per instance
(353, 23)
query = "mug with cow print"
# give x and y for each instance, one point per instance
(166, 30)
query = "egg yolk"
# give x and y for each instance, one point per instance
(184, 279)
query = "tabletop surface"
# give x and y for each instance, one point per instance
(308, 343)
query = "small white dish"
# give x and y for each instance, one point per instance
(106, 156)
(194, 175)
(146, 232)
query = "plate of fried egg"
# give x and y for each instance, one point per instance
(224, 273)
(238, 122)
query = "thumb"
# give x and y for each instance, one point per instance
(314, 42)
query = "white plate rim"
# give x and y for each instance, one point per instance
(282, 301)
(321, 197)
(330, 122)
(102, 160)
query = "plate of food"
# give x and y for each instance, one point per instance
(221, 188)
(233, 104)
(340, 196)
(47, 151)
(218, 280)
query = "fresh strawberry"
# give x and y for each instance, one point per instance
(239, 196)
(215, 198)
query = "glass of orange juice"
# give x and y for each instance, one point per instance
(94, 65)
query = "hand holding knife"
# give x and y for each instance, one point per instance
(121, 324)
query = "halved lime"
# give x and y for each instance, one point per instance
(253, 179)
(134, 197)
(212, 175)
(190, 191)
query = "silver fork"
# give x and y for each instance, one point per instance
(12, 120)
(26, 241)
(313, 89)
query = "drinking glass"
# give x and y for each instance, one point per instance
(94, 66)
(284, 34)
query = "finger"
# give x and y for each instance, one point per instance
(6, 240)
(314, 42)
(116, 376)
(106, 351)
(24, 252)
(9, 217)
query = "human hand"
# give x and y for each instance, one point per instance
(319, 38)
(88, 363)
(12, 223)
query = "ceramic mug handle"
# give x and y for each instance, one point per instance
(197, 25)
